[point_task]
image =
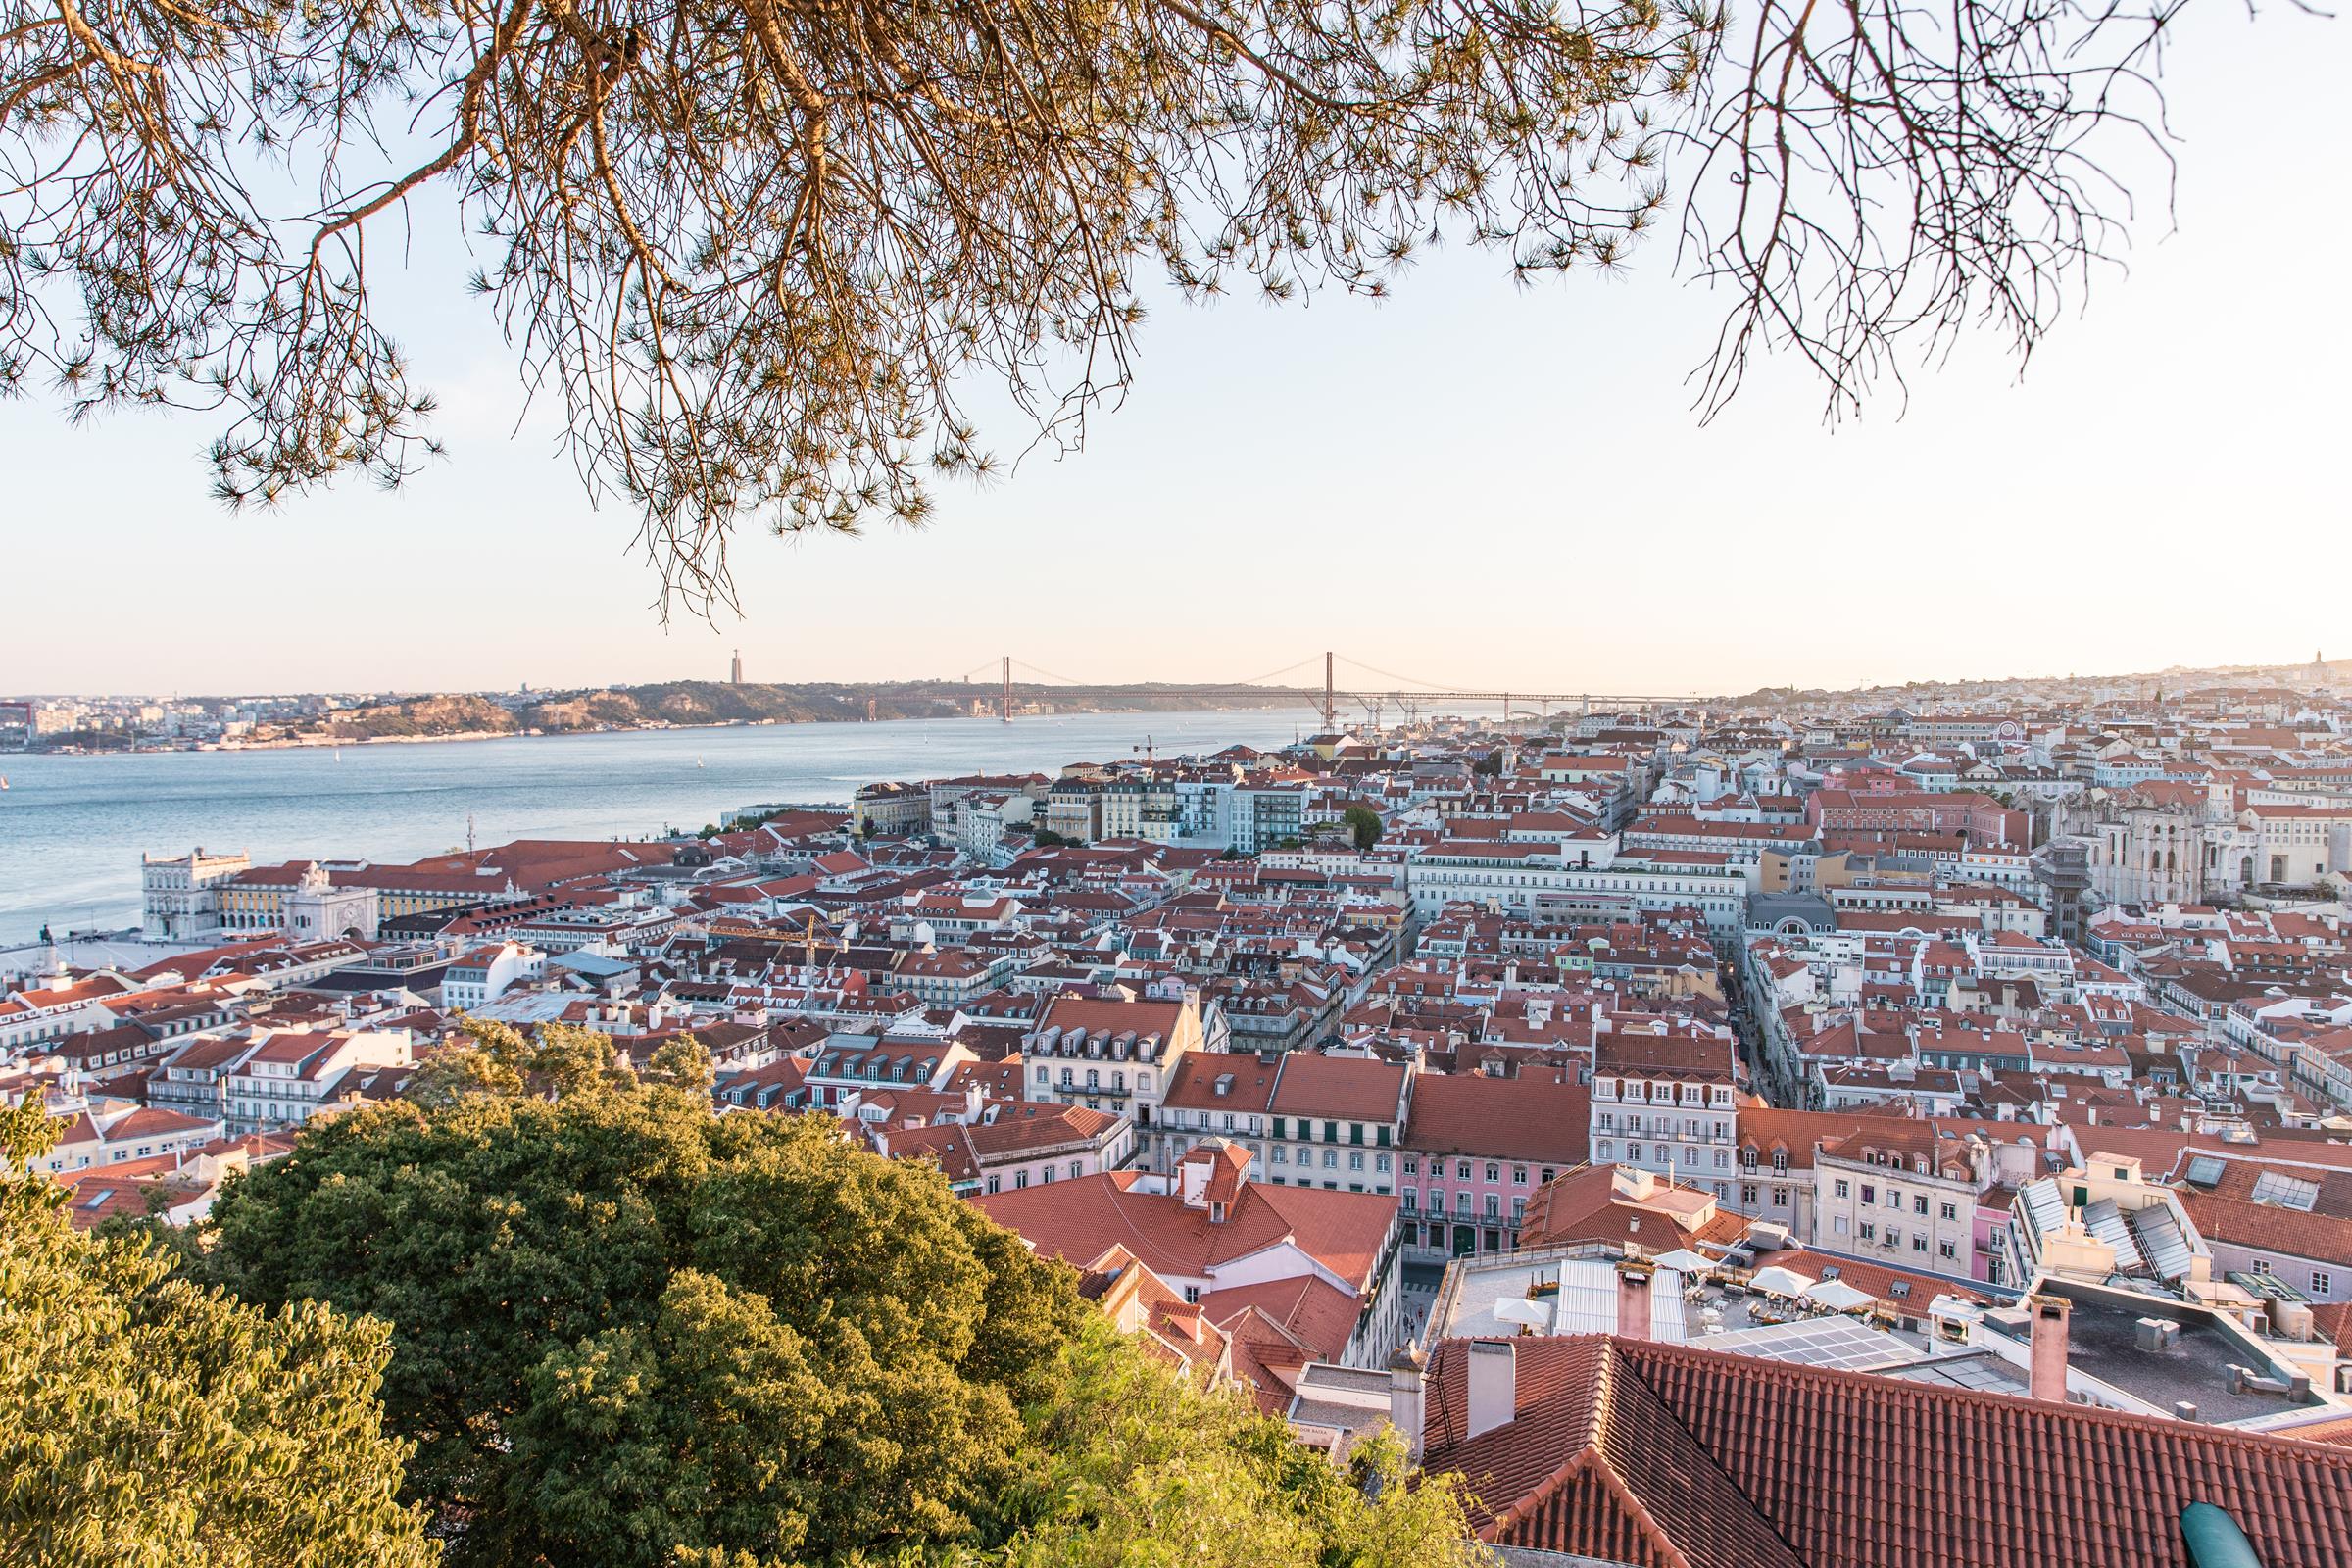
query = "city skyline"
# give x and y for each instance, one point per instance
(1323, 459)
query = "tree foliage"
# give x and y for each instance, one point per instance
(1131, 1463)
(629, 1332)
(623, 1326)
(1364, 822)
(146, 1422)
(762, 252)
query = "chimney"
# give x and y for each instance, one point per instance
(1632, 1299)
(2048, 1380)
(1494, 1385)
(1406, 1392)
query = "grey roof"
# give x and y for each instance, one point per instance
(1768, 909)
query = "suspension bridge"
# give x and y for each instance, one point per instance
(1385, 692)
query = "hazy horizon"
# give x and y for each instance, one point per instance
(983, 683)
(1471, 483)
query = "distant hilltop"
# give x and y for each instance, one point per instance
(688, 703)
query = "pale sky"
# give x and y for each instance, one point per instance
(1470, 483)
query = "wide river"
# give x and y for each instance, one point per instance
(71, 828)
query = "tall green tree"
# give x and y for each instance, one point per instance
(763, 250)
(1364, 822)
(623, 1326)
(147, 1422)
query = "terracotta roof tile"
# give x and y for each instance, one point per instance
(1772, 1462)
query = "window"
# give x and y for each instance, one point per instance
(1493, 1206)
(1838, 1188)
(1020, 1179)
(1919, 1243)
(1045, 1175)
(1331, 1159)
(1518, 1175)
(1461, 1204)
(1747, 1195)
(1838, 1225)
(1077, 1168)
(1547, 1173)
(1192, 1293)
(1281, 1156)
(2321, 1282)
(1493, 1172)
(1945, 1250)
(1461, 1170)
(1380, 1162)
(1411, 1201)
(1951, 1211)
(1604, 1150)
(1868, 1232)
(1355, 1160)
(1413, 1165)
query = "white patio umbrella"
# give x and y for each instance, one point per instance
(1685, 1260)
(1778, 1281)
(1837, 1295)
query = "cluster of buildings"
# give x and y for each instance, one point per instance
(151, 723)
(1631, 1113)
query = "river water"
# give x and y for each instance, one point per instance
(71, 828)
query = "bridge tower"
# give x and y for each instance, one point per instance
(1004, 698)
(1331, 707)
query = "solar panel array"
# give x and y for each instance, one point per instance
(2160, 1238)
(1837, 1343)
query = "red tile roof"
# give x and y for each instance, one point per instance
(1340, 1088)
(1077, 1220)
(1534, 1116)
(1647, 1453)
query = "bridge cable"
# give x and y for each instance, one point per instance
(1410, 680)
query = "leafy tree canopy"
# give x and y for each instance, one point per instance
(761, 251)
(147, 1422)
(631, 1332)
(1364, 822)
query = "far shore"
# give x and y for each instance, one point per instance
(313, 743)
